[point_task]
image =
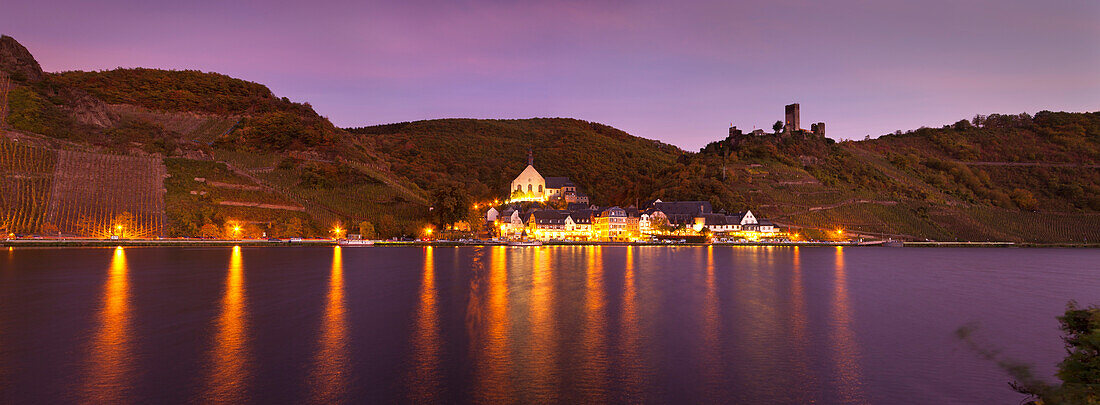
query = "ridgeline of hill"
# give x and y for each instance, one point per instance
(997, 177)
(483, 156)
(237, 155)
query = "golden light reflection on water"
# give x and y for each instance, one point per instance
(846, 356)
(493, 360)
(712, 348)
(425, 383)
(594, 371)
(543, 377)
(110, 367)
(332, 366)
(798, 304)
(229, 359)
(798, 323)
(630, 344)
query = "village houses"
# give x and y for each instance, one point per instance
(580, 221)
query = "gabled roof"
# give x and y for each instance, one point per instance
(609, 211)
(528, 172)
(558, 182)
(549, 216)
(684, 207)
(581, 216)
(576, 206)
(718, 219)
(677, 219)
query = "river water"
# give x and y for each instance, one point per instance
(536, 324)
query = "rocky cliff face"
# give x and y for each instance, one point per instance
(87, 109)
(17, 61)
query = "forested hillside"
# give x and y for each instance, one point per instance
(997, 177)
(273, 165)
(611, 166)
(230, 154)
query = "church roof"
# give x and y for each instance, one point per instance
(528, 172)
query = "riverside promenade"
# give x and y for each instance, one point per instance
(196, 242)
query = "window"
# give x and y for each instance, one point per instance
(528, 187)
(540, 188)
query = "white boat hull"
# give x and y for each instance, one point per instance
(355, 243)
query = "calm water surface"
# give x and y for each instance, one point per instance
(546, 324)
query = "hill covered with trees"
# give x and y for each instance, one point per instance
(611, 166)
(237, 154)
(998, 177)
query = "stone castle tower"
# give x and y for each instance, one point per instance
(791, 127)
(790, 122)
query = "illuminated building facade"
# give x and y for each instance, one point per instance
(610, 224)
(529, 185)
(581, 222)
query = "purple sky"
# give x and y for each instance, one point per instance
(675, 71)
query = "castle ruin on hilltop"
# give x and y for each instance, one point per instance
(791, 127)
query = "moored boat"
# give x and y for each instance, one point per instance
(525, 243)
(354, 243)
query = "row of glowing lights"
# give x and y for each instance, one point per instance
(337, 231)
(428, 231)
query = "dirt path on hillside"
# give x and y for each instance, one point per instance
(850, 202)
(1028, 164)
(260, 205)
(389, 182)
(298, 199)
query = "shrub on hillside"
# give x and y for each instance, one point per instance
(29, 111)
